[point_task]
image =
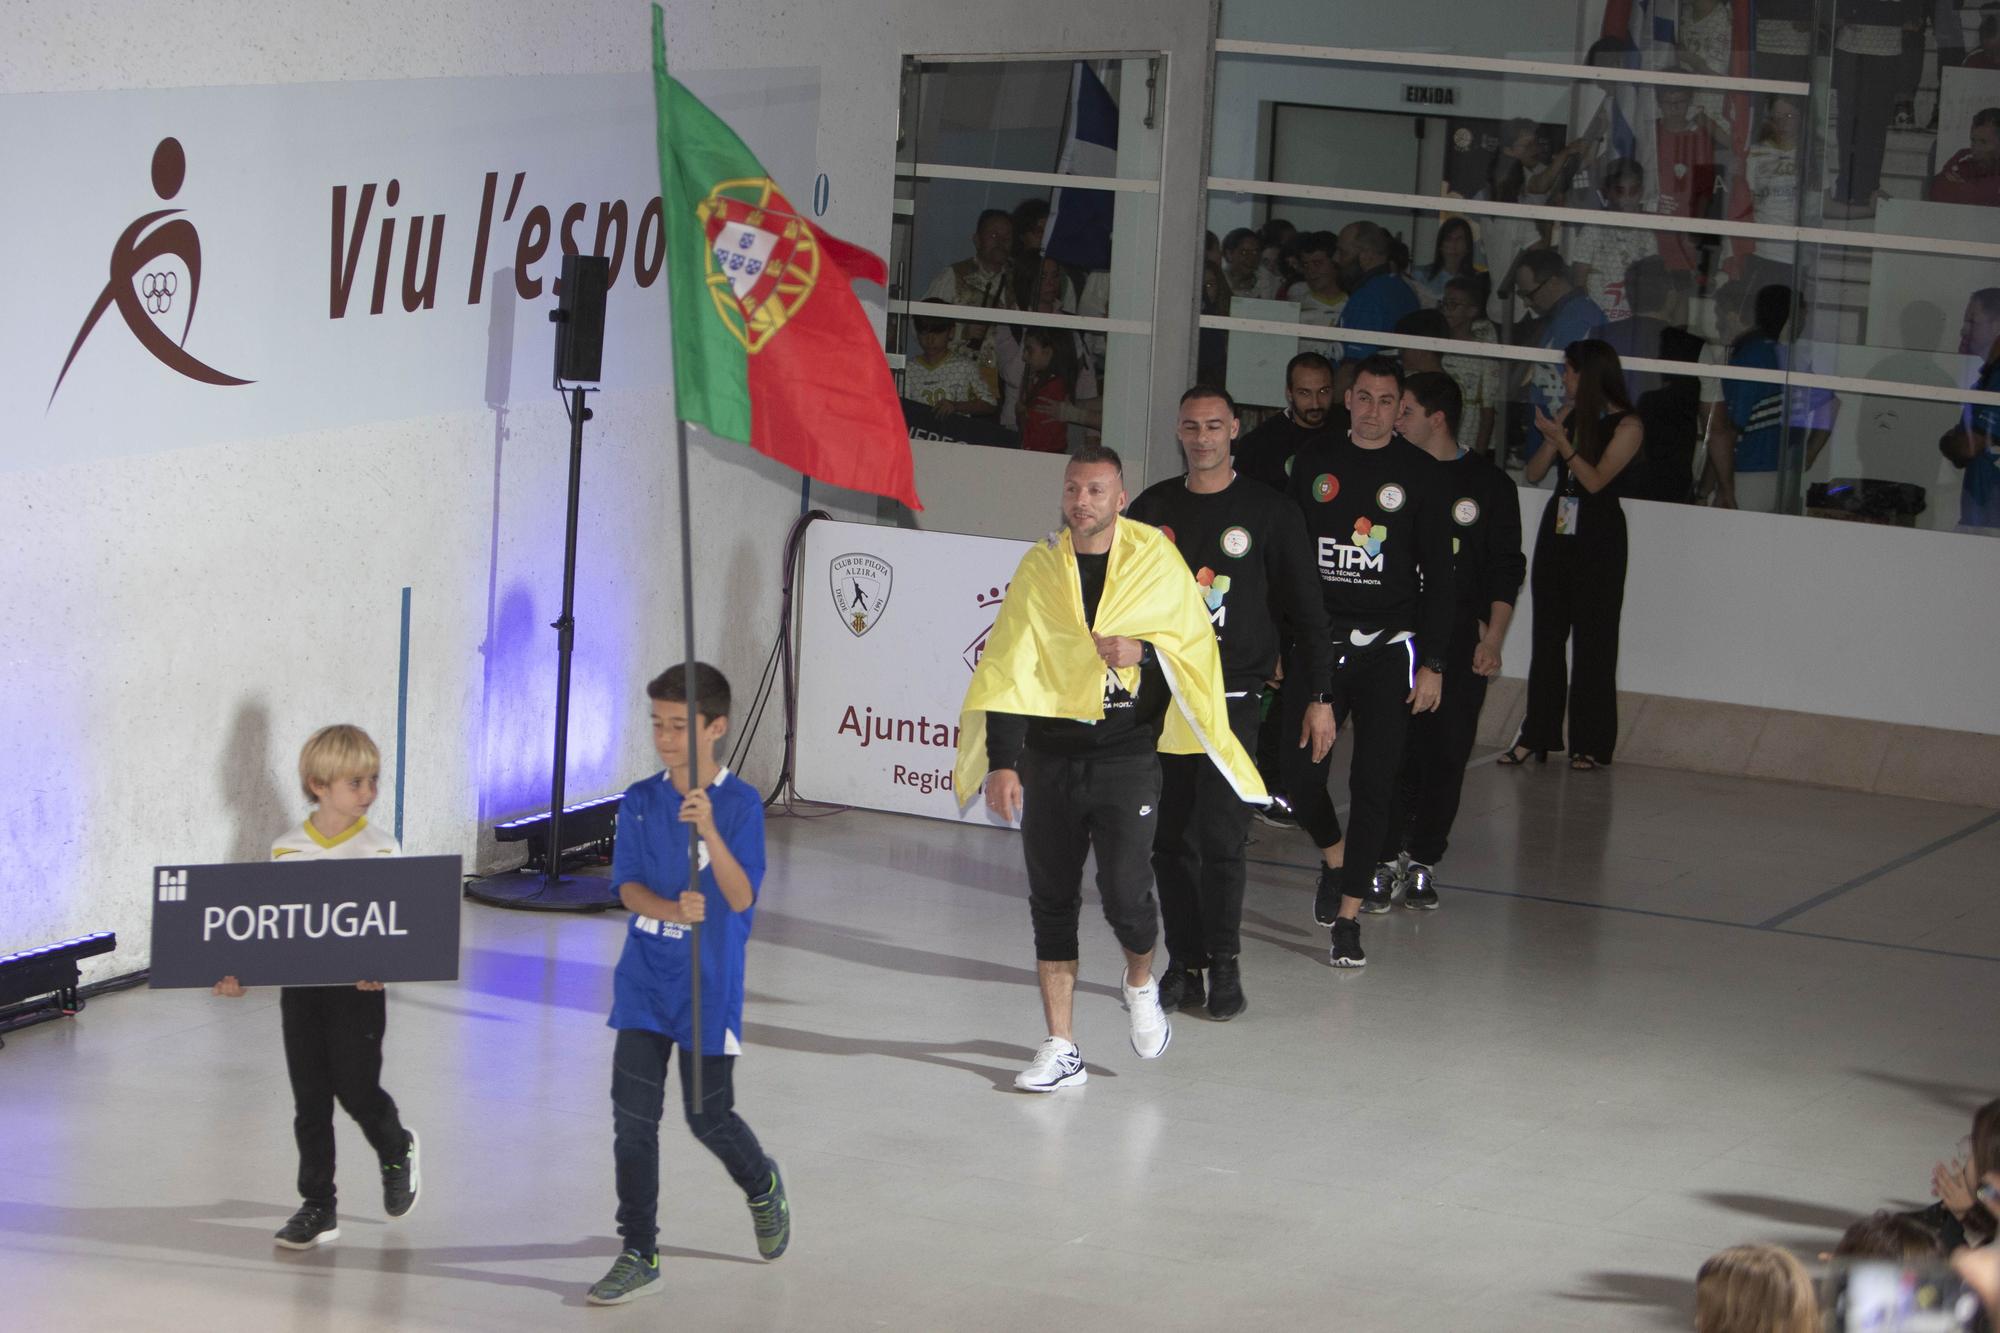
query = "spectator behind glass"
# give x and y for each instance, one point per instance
(1507, 240)
(1211, 248)
(1242, 262)
(1747, 437)
(1481, 386)
(1567, 315)
(1318, 290)
(1451, 257)
(943, 376)
(1031, 221)
(985, 279)
(1578, 576)
(1972, 176)
(1754, 1289)
(1771, 173)
(1973, 445)
(1376, 297)
(1988, 54)
(1600, 255)
(1684, 155)
(1704, 41)
(1867, 49)
(1274, 238)
(1050, 356)
(1578, 176)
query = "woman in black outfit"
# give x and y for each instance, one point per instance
(1579, 570)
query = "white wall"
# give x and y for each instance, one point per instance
(173, 624)
(1804, 614)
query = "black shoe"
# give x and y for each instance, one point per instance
(1278, 814)
(1383, 891)
(1326, 898)
(1225, 990)
(401, 1181)
(1180, 987)
(1421, 893)
(1346, 950)
(311, 1225)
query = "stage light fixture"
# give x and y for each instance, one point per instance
(47, 977)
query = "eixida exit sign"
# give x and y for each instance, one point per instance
(1419, 94)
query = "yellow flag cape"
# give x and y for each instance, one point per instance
(1041, 661)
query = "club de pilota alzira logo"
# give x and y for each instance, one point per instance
(145, 282)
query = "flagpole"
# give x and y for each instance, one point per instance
(694, 740)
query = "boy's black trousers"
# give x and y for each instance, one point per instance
(333, 1052)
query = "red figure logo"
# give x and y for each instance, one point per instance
(141, 292)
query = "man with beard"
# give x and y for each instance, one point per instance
(1247, 549)
(1102, 656)
(1265, 455)
(1374, 509)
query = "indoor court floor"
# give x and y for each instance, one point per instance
(1658, 1013)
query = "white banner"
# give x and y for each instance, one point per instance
(892, 622)
(236, 263)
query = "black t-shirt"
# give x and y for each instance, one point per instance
(1381, 538)
(1485, 510)
(1266, 453)
(1247, 549)
(1131, 722)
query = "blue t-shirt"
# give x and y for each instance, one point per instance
(651, 989)
(1756, 410)
(1979, 493)
(1574, 317)
(1378, 304)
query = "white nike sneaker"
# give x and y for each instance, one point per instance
(1150, 1029)
(1058, 1064)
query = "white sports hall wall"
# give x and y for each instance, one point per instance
(180, 608)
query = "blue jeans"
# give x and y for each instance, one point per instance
(638, 1098)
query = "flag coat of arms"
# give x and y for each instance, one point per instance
(771, 347)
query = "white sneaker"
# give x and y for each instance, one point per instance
(1150, 1029)
(1058, 1064)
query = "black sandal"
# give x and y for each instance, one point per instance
(1583, 763)
(1520, 754)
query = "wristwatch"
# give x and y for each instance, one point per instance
(1434, 664)
(1321, 698)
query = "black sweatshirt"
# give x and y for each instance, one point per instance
(1247, 548)
(1377, 517)
(1266, 453)
(1131, 724)
(1485, 514)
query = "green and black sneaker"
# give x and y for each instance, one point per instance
(771, 1214)
(630, 1278)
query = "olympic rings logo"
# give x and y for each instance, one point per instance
(158, 290)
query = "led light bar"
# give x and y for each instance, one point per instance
(51, 969)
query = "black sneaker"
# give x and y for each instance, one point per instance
(1278, 814)
(771, 1215)
(401, 1181)
(310, 1226)
(1346, 950)
(1326, 897)
(1180, 988)
(1383, 891)
(1422, 894)
(1225, 990)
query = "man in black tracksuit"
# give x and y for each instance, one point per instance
(1487, 570)
(1266, 454)
(1247, 549)
(1374, 507)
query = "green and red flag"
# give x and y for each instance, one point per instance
(771, 347)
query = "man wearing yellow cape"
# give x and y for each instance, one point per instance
(1102, 656)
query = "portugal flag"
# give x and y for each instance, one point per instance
(770, 346)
